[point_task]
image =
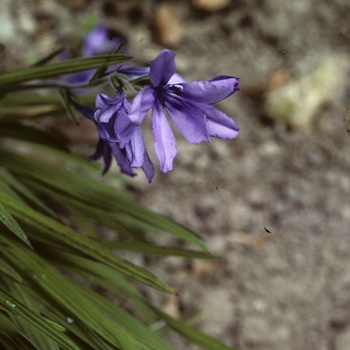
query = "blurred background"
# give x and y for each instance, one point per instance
(273, 204)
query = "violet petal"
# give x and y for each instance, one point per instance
(211, 91)
(123, 129)
(188, 119)
(135, 72)
(162, 68)
(103, 150)
(107, 158)
(148, 167)
(136, 148)
(141, 104)
(104, 101)
(105, 115)
(165, 142)
(106, 133)
(99, 150)
(219, 124)
(121, 159)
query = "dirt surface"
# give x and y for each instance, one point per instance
(274, 203)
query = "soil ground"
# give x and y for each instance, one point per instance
(273, 204)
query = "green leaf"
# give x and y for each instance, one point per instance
(71, 161)
(37, 337)
(54, 69)
(26, 99)
(68, 106)
(148, 248)
(7, 179)
(16, 130)
(93, 271)
(11, 305)
(47, 230)
(6, 188)
(10, 272)
(191, 334)
(115, 206)
(79, 303)
(12, 224)
(10, 336)
(48, 58)
(102, 276)
(99, 73)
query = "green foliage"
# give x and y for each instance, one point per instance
(55, 267)
(55, 69)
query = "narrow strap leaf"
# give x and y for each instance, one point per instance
(191, 334)
(9, 271)
(9, 304)
(48, 58)
(68, 106)
(58, 68)
(12, 225)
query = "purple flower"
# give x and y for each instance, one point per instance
(98, 42)
(106, 147)
(106, 150)
(112, 114)
(187, 105)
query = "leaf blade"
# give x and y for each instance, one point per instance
(49, 230)
(191, 334)
(58, 68)
(7, 219)
(11, 305)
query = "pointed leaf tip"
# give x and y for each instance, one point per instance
(13, 226)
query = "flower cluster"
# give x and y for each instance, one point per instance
(186, 104)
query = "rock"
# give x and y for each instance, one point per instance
(297, 102)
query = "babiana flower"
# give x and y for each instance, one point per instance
(112, 114)
(188, 105)
(110, 111)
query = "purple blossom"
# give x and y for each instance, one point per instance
(98, 42)
(187, 105)
(106, 146)
(105, 150)
(112, 114)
